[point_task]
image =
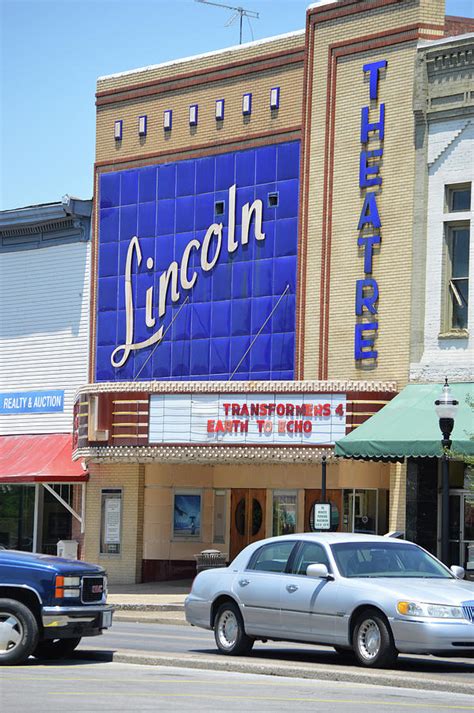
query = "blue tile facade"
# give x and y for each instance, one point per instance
(168, 205)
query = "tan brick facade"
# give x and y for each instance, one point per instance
(126, 566)
(336, 90)
(208, 79)
(323, 89)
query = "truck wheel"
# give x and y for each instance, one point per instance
(51, 649)
(18, 632)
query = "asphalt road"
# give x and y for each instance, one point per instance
(85, 687)
(188, 646)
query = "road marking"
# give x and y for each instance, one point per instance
(274, 699)
(174, 678)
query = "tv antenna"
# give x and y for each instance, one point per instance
(239, 12)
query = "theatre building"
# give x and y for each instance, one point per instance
(251, 288)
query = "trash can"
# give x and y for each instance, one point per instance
(67, 548)
(208, 559)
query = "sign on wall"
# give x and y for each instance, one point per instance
(372, 135)
(236, 419)
(31, 402)
(197, 258)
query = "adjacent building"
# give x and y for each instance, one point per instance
(45, 255)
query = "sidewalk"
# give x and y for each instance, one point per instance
(152, 602)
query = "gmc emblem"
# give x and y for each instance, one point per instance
(97, 588)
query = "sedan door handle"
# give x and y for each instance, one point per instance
(244, 582)
(291, 588)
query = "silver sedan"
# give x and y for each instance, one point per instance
(367, 596)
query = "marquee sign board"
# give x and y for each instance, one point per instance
(247, 419)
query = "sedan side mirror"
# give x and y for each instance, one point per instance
(318, 571)
(457, 571)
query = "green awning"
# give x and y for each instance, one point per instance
(409, 427)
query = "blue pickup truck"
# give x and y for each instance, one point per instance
(47, 604)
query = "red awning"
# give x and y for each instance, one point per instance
(36, 459)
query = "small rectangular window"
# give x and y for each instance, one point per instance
(247, 104)
(167, 119)
(457, 276)
(273, 200)
(142, 121)
(275, 98)
(219, 207)
(458, 198)
(284, 513)
(111, 521)
(220, 110)
(193, 115)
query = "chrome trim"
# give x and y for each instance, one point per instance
(62, 616)
(21, 586)
(468, 611)
(79, 609)
(103, 598)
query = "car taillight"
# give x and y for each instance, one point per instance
(67, 587)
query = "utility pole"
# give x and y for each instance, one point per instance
(239, 12)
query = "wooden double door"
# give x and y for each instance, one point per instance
(247, 507)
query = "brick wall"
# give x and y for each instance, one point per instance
(336, 90)
(123, 568)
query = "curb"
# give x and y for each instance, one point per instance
(375, 678)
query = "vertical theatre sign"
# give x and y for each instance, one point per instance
(372, 131)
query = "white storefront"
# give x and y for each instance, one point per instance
(45, 291)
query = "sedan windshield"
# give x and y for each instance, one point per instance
(377, 559)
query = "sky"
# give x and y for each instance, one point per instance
(52, 51)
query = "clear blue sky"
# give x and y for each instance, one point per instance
(52, 52)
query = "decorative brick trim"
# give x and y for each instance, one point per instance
(302, 212)
(217, 147)
(203, 76)
(344, 8)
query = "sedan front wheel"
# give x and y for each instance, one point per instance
(229, 631)
(373, 641)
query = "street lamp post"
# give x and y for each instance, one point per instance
(446, 407)
(323, 479)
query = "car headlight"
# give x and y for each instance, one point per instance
(67, 587)
(429, 611)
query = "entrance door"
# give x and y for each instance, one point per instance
(247, 518)
(461, 527)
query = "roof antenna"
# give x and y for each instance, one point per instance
(239, 12)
